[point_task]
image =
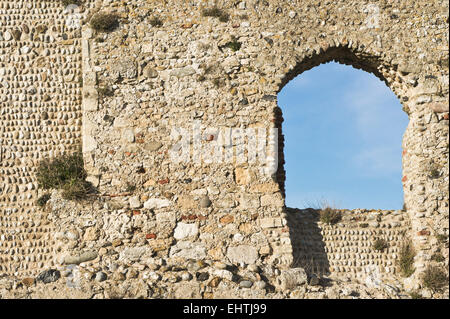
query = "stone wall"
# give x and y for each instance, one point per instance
(347, 248)
(110, 233)
(191, 80)
(40, 116)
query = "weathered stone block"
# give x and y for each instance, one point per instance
(185, 230)
(182, 72)
(271, 222)
(248, 201)
(135, 253)
(291, 278)
(439, 107)
(242, 176)
(83, 257)
(272, 200)
(243, 254)
(188, 250)
(154, 203)
(135, 202)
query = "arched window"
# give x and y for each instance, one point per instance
(343, 132)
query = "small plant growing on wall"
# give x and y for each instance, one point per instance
(406, 259)
(76, 189)
(130, 188)
(441, 238)
(218, 82)
(234, 45)
(434, 278)
(224, 17)
(65, 172)
(217, 13)
(156, 22)
(69, 2)
(415, 295)
(380, 245)
(434, 173)
(438, 257)
(105, 91)
(433, 170)
(104, 22)
(330, 216)
(43, 200)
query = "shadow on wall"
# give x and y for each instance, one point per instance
(309, 251)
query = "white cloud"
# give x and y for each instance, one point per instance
(373, 105)
(379, 161)
(380, 123)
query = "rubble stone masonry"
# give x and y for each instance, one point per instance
(199, 86)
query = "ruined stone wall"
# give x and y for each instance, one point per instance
(218, 75)
(169, 76)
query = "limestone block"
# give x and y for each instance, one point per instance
(186, 202)
(83, 257)
(121, 122)
(439, 107)
(125, 68)
(155, 203)
(185, 230)
(188, 250)
(223, 273)
(243, 254)
(90, 99)
(128, 135)
(242, 176)
(271, 222)
(150, 72)
(272, 200)
(182, 72)
(135, 253)
(152, 146)
(248, 201)
(291, 278)
(93, 179)
(164, 218)
(89, 80)
(187, 290)
(135, 202)
(91, 234)
(228, 201)
(264, 188)
(230, 64)
(89, 144)
(147, 47)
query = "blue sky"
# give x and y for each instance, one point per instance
(343, 131)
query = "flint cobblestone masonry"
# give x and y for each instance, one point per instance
(40, 116)
(169, 76)
(347, 248)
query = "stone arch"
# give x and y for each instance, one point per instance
(346, 55)
(310, 241)
(415, 92)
